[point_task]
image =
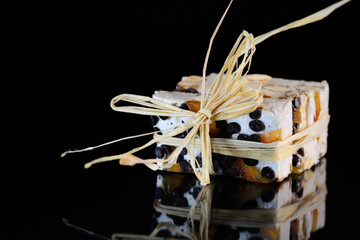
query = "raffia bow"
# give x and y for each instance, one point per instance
(229, 96)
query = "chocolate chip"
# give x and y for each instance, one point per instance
(255, 114)
(300, 193)
(255, 138)
(183, 151)
(301, 152)
(250, 162)
(296, 160)
(181, 135)
(296, 102)
(162, 151)
(180, 159)
(163, 117)
(243, 137)
(164, 233)
(179, 221)
(166, 149)
(154, 120)
(267, 195)
(185, 167)
(184, 106)
(159, 153)
(313, 167)
(198, 132)
(233, 128)
(199, 159)
(268, 173)
(256, 125)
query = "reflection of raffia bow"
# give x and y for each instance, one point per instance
(199, 210)
(203, 211)
(229, 96)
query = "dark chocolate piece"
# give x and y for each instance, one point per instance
(255, 114)
(185, 167)
(184, 106)
(166, 149)
(163, 117)
(296, 160)
(255, 138)
(256, 125)
(300, 151)
(243, 137)
(250, 162)
(233, 128)
(268, 173)
(267, 195)
(181, 135)
(183, 151)
(159, 153)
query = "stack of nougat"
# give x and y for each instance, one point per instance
(288, 107)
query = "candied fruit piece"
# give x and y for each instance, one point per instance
(250, 173)
(270, 137)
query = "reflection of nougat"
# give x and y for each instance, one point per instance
(288, 107)
(291, 209)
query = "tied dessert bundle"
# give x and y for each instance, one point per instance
(250, 126)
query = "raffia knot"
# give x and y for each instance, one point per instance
(206, 112)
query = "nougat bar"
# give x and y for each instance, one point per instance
(288, 107)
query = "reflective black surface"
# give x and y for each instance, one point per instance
(71, 59)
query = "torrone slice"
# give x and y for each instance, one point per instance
(288, 107)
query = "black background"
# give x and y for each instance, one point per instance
(68, 60)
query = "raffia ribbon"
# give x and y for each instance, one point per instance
(229, 96)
